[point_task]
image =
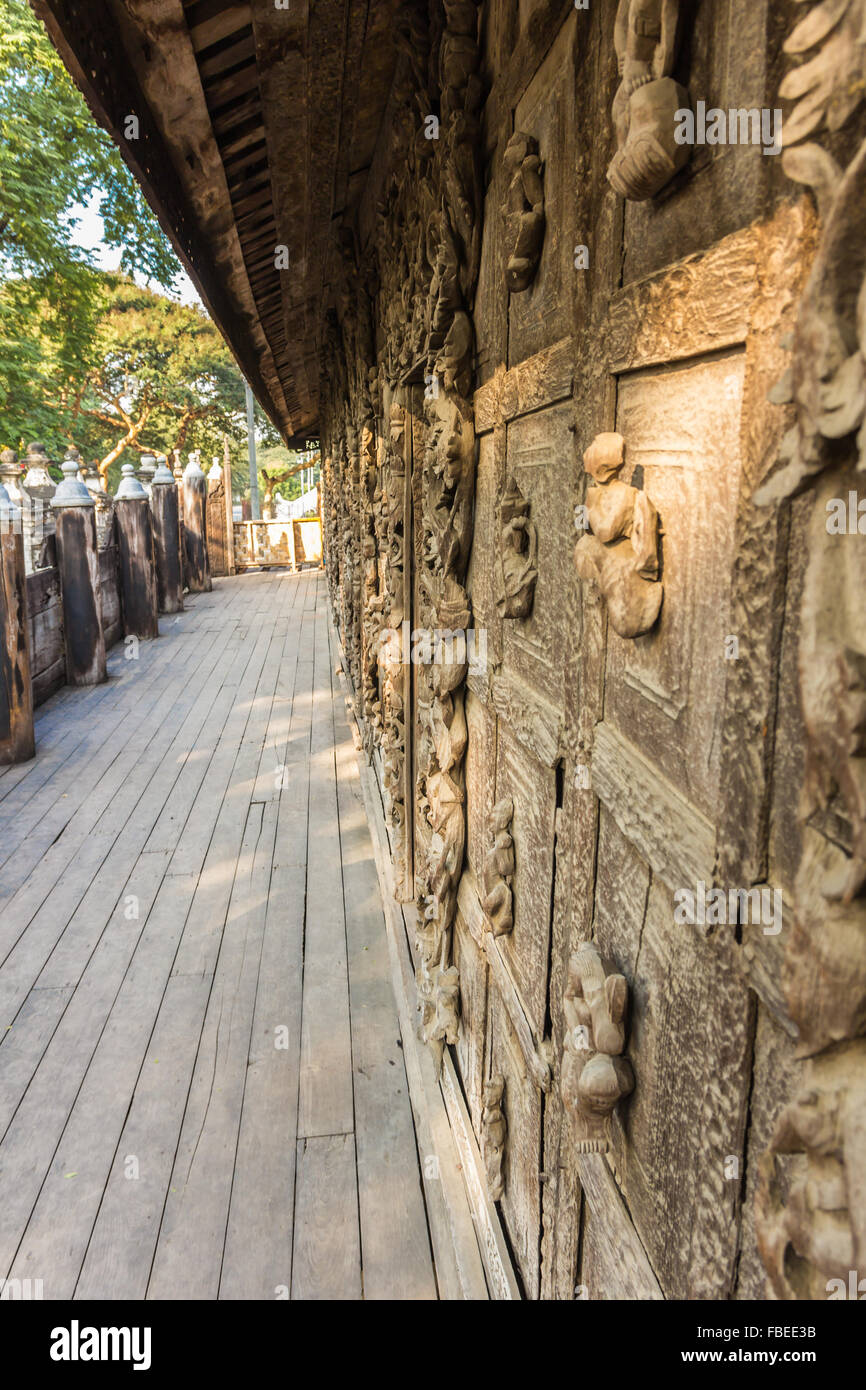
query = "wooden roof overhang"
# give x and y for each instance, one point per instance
(257, 129)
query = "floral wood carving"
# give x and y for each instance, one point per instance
(595, 1075)
(523, 211)
(647, 100)
(517, 560)
(494, 1132)
(620, 552)
(810, 1208)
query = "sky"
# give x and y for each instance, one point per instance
(89, 235)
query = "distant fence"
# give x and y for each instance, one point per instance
(95, 569)
(278, 544)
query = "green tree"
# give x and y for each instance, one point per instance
(53, 156)
(151, 375)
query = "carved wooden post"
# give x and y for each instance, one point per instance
(17, 743)
(178, 478)
(135, 544)
(195, 528)
(78, 567)
(165, 517)
(230, 520)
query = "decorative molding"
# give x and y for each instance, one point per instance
(534, 384)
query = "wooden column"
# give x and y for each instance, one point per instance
(178, 478)
(230, 521)
(17, 742)
(135, 546)
(195, 528)
(165, 519)
(78, 567)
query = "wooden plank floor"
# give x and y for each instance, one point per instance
(202, 1087)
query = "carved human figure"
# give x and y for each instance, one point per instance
(647, 100)
(494, 1132)
(523, 211)
(620, 552)
(517, 560)
(809, 1211)
(595, 1075)
(496, 877)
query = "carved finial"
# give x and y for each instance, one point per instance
(71, 492)
(163, 477)
(130, 489)
(595, 1075)
(146, 469)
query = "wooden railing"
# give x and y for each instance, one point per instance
(274, 544)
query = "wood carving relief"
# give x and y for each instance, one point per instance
(647, 100)
(595, 1074)
(494, 1132)
(496, 892)
(620, 551)
(810, 1208)
(517, 558)
(523, 211)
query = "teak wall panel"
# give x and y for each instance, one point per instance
(539, 455)
(532, 788)
(691, 1049)
(681, 427)
(541, 314)
(522, 1106)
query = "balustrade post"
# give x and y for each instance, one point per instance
(135, 548)
(146, 470)
(165, 517)
(178, 478)
(195, 528)
(17, 742)
(78, 567)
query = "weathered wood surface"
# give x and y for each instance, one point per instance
(136, 567)
(78, 564)
(154, 901)
(45, 617)
(165, 520)
(197, 567)
(16, 691)
(109, 595)
(217, 529)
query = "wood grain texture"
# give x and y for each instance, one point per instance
(151, 967)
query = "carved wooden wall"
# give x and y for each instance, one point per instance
(547, 369)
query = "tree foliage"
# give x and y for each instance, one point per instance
(86, 357)
(54, 157)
